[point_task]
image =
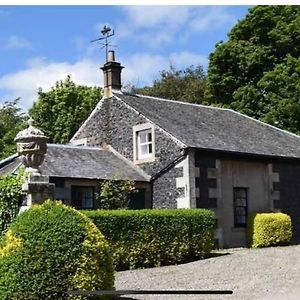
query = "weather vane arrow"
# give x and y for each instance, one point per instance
(106, 35)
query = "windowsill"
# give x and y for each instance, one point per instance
(144, 160)
(238, 229)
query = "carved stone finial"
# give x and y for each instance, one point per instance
(32, 147)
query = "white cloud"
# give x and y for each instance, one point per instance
(155, 26)
(140, 70)
(153, 16)
(44, 74)
(216, 17)
(15, 42)
(184, 59)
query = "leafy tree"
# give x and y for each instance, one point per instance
(12, 120)
(61, 111)
(244, 72)
(282, 95)
(185, 85)
(10, 199)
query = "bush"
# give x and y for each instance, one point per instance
(50, 249)
(114, 194)
(268, 229)
(146, 238)
(10, 199)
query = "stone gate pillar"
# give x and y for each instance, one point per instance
(32, 147)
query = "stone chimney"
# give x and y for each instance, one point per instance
(112, 75)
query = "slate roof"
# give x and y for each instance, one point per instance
(84, 162)
(9, 165)
(210, 128)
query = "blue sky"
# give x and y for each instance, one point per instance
(42, 44)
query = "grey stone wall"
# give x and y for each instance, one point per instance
(95, 128)
(165, 191)
(113, 124)
(289, 186)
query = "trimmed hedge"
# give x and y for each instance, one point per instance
(50, 249)
(268, 229)
(153, 237)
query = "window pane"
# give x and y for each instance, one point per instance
(240, 202)
(83, 197)
(149, 137)
(143, 137)
(240, 206)
(87, 199)
(144, 149)
(150, 148)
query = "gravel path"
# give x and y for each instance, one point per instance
(269, 273)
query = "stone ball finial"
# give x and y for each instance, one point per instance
(32, 147)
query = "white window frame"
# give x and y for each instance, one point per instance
(138, 157)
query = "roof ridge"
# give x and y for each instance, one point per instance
(178, 101)
(75, 146)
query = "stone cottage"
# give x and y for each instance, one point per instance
(182, 155)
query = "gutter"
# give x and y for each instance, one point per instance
(7, 160)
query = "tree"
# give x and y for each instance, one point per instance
(61, 111)
(243, 72)
(282, 95)
(185, 85)
(12, 120)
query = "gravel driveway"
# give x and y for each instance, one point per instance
(269, 273)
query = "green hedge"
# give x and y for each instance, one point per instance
(268, 229)
(146, 238)
(50, 249)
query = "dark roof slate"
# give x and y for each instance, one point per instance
(207, 127)
(85, 162)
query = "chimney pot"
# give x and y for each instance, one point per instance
(111, 56)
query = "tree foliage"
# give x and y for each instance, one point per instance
(11, 196)
(12, 120)
(114, 194)
(61, 111)
(257, 70)
(185, 85)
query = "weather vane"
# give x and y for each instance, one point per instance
(106, 34)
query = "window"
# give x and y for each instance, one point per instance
(143, 142)
(83, 197)
(240, 206)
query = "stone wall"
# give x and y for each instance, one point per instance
(112, 123)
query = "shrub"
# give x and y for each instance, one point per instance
(52, 248)
(268, 229)
(10, 199)
(146, 238)
(114, 194)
